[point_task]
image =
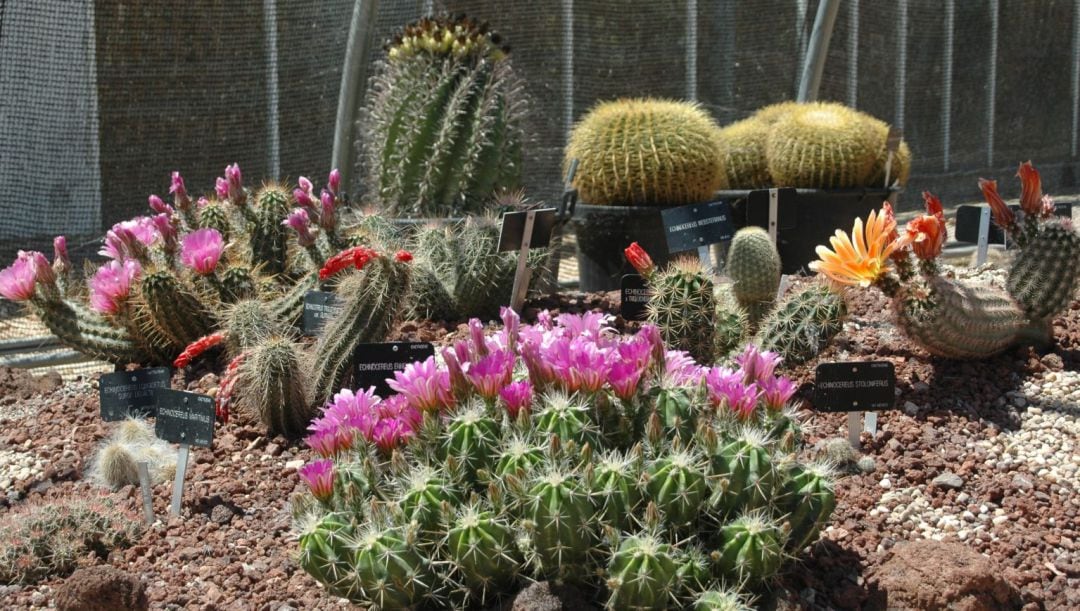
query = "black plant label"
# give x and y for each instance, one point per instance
(131, 393)
(185, 417)
(374, 363)
(635, 297)
(319, 307)
(696, 225)
(854, 386)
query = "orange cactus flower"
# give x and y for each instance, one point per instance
(1002, 215)
(860, 259)
(927, 234)
(933, 205)
(1031, 193)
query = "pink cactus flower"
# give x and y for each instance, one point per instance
(334, 182)
(18, 280)
(651, 334)
(128, 239)
(424, 385)
(517, 396)
(304, 199)
(235, 183)
(776, 392)
(589, 365)
(391, 433)
(719, 382)
(681, 369)
(111, 285)
(511, 325)
(202, 249)
(61, 262)
(166, 228)
(159, 206)
(624, 378)
(331, 443)
(181, 199)
(757, 365)
(319, 476)
(300, 222)
(202, 203)
(327, 217)
(491, 373)
(221, 188)
(305, 185)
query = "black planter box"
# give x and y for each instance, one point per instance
(602, 234)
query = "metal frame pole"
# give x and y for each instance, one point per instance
(817, 50)
(352, 85)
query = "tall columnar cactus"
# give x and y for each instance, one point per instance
(371, 302)
(1044, 274)
(509, 476)
(444, 118)
(645, 152)
(803, 322)
(268, 235)
(271, 386)
(754, 267)
(171, 310)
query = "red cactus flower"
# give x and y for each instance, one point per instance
(640, 259)
(223, 399)
(197, 347)
(933, 205)
(927, 235)
(357, 256)
(1002, 215)
(1031, 193)
(403, 256)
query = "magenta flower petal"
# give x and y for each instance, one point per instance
(624, 378)
(491, 373)
(111, 285)
(424, 385)
(334, 182)
(300, 222)
(202, 249)
(776, 392)
(319, 476)
(517, 396)
(17, 281)
(757, 365)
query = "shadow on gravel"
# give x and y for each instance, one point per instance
(829, 577)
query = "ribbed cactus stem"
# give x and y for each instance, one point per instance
(480, 544)
(683, 306)
(958, 320)
(752, 548)
(371, 300)
(289, 307)
(88, 332)
(754, 267)
(808, 499)
(802, 323)
(1043, 278)
(268, 235)
(642, 574)
(237, 282)
(170, 310)
(271, 385)
(560, 515)
(215, 215)
(246, 323)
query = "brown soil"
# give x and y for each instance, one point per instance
(233, 546)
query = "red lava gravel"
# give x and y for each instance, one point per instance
(963, 460)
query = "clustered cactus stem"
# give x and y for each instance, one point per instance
(952, 318)
(559, 450)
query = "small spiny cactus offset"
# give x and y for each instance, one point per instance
(804, 321)
(271, 386)
(683, 303)
(754, 267)
(115, 464)
(720, 600)
(444, 116)
(167, 308)
(268, 234)
(372, 298)
(963, 319)
(559, 450)
(645, 152)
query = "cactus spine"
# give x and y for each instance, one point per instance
(372, 298)
(272, 387)
(268, 236)
(444, 114)
(645, 152)
(754, 267)
(168, 309)
(1044, 275)
(642, 574)
(752, 548)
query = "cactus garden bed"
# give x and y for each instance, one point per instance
(980, 455)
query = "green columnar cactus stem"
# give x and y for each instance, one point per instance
(745, 463)
(325, 555)
(560, 524)
(645, 152)
(1043, 277)
(821, 145)
(754, 267)
(517, 456)
(614, 484)
(246, 323)
(568, 417)
(955, 320)
(371, 300)
(642, 574)
(268, 235)
(678, 485)
(89, 332)
(480, 544)
(732, 322)
(675, 407)
(422, 494)
(683, 306)
(167, 309)
(752, 548)
(808, 499)
(803, 323)
(237, 282)
(215, 215)
(472, 438)
(271, 386)
(445, 123)
(289, 307)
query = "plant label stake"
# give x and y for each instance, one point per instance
(984, 237)
(892, 144)
(781, 289)
(774, 211)
(374, 363)
(858, 388)
(319, 307)
(147, 499)
(187, 419)
(131, 393)
(522, 231)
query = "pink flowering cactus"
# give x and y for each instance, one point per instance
(386, 423)
(111, 285)
(319, 476)
(130, 239)
(18, 280)
(424, 385)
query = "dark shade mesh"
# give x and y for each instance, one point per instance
(100, 100)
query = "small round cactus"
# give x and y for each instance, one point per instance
(754, 267)
(642, 574)
(752, 548)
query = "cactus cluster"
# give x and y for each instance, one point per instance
(710, 321)
(815, 145)
(645, 152)
(444, 120)
(960, 319)
(559, 450)
(116, 463)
